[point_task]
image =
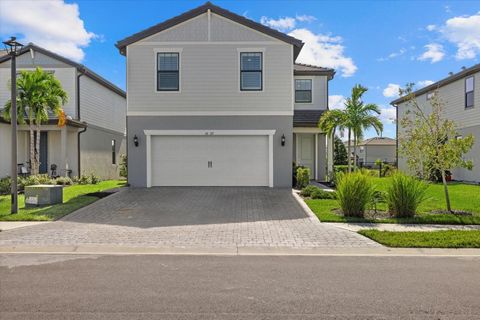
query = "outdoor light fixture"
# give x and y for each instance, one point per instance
(283, 140)
(13, 47)
(135, 140)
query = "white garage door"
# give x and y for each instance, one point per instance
(209, 160)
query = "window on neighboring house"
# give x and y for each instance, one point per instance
(168, 77)
(251, 66)
(469, 84)
(303, 90)
(430, 95)
(114, 154)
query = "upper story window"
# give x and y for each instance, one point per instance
(469, 86)
(251, 76)
(168, 71)
(303, 90)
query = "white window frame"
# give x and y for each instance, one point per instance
(156, 51)
(150, 133)
(295, 90)
(465, 92)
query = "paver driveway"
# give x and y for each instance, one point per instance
(207, 217)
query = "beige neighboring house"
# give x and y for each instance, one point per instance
(94, 135)
(377, 148)
(461, 94)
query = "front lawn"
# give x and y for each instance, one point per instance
(463, 196)
(423, 239)
(74, 197)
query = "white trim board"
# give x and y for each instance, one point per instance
(150, 133)
(208, 113)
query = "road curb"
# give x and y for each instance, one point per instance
(311, 215)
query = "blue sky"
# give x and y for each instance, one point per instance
(381, 45)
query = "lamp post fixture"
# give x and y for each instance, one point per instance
(13, 47)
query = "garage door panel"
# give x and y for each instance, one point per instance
(235, 161)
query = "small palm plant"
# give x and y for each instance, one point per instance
(38, 93)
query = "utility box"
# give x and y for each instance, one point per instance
(43, 194)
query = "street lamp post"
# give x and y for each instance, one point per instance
(12, 47)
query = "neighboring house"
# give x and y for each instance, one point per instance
(377, 148)
(94, 135)
(215, 99)
(460, 93)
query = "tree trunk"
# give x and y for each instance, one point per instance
(445, 187)
(354, 152)
(37, 151)
(349, 152)
(32, 151)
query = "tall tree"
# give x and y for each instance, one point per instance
(431, 142)
(361, 116)
(38, 94)
(339, 152)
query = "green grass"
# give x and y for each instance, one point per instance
(463, 197)
(422, 239)
(74, 197)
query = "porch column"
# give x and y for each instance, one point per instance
(329, 146)
(63, 151)
(316, 156)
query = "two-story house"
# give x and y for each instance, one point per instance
(94, 135)
(215, 99)
(460, 94)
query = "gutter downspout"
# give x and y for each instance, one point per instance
(78, 117)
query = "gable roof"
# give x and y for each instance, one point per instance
(80, 67)
(441, 83)
(301, 69)
(122, 44)
(379, 141)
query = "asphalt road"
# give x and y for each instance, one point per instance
(248, 287)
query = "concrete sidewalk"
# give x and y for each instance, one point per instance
(10, 225)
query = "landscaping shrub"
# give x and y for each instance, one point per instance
(354, 192)
(404, 195)
(87, 179)
(94, 179)
(123, 166)
(36, 179)
(341, 168)
(303, 177)
(5, 185)
(64, 181)
(307, 191)
(322, 194)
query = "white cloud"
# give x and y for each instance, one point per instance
(393, 55)
(282, 24)
(52, 24)
(431, 27)
(325, 51)
(464, 32)
(391, 91)
(388, 114)
(305, 18)
(336, 102)
(434, 52)
(424, 83)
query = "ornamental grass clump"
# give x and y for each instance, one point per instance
(354, 192)
(404, 195)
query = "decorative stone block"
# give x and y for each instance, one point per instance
(42, 194)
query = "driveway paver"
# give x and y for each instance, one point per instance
(190, 217)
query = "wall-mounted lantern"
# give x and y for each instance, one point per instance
(283, 140)
(135, 140)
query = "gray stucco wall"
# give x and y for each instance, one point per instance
(96, 152)
(282, 156)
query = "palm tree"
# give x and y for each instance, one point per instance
(361, 116)
(356, 117)
(38, 94)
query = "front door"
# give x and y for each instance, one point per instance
(306, 152)
(43, 152)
